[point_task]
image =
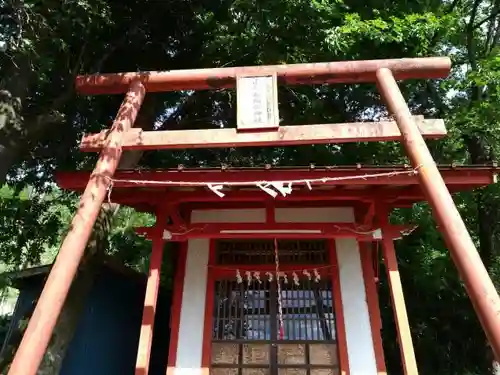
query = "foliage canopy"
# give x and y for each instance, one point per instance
(45, 44)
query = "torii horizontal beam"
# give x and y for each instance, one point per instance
(293, 74)
(137, 139)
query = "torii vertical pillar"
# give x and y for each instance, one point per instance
(479, 285)
(41, 325)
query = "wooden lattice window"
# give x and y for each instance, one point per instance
(262, 252)
(245, 339)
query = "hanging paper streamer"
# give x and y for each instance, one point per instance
(270, 187)
(217, 190)
(239, 279)
(248, 274)
(284, 276)
(256, 275)
(317, 276)
(265, 187)
(280, 186)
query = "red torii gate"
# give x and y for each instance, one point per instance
(120, 137)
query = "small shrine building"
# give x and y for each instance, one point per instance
(320, 237)
(277, 270)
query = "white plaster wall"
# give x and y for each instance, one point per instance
(360, 349)
(190, 344)
(281, 215)
(257, 215)
(314, 215)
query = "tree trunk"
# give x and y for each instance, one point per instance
(19, 128)
(10, 131)
(486, 214)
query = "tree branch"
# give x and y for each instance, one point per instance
(471, 46)
(492, 15)
(453, 5)
(119, 43)
(496, 39)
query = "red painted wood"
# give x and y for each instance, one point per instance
(292, 74)
(470, 176)
(271, 230)
(150, 300)
(400, 314)
(339, 312)
(148, 201)
(208, 313)
(372, 301)
(137, 139)
(480, 287)
(175, 314)
(236, 198)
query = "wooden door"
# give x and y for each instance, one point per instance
(245, 334)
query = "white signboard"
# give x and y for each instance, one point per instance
(257, 102)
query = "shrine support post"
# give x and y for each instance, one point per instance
(479, 285)
(41, 325)
(397, 296)
(151, 298)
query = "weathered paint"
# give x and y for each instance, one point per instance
(138, 139)
(291, 74)
(479, 285)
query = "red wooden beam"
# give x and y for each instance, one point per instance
(192, 206)
(128, 196)
(480, 287)
(468, 176)
(150, 299)
(368, 216)
(397, 298)
(294, 74)
(334, 195)
(149, 201)
(137, 139)
(372, 300)
(271, 230)
(175, 312)
(186, 206)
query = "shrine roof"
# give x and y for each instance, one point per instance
(396, 184)
(107, 263)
